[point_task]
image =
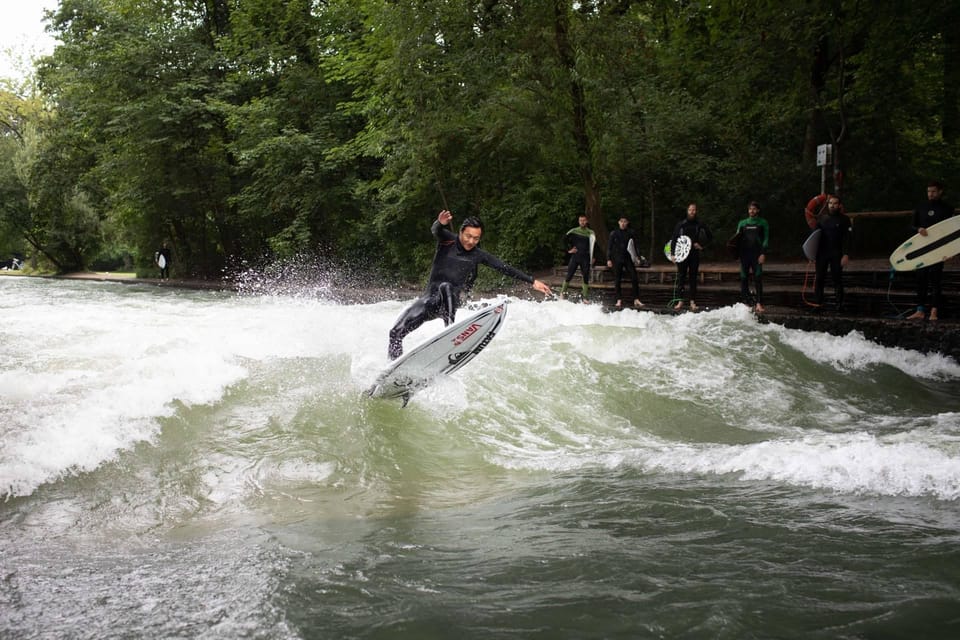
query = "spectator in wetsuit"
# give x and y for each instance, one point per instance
(165, 252)
(580, 242)
(619, 259)
(453, 272)
(833, 252)
(930, 278)
(754, 233)
(698, 233)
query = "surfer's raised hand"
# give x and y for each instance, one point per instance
(445, 217)
(542, 287)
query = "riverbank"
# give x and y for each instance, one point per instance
(942, 336)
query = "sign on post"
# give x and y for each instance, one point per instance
(824, 158)
(824, 154)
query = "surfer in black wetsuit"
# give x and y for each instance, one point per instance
(834, 248)
(934, 210)
(699, 234)
(163, 252)
(620, 259)
(454, 272)
(579, 242)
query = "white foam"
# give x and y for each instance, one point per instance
(853, 352)
(94, 374)
(851, 463)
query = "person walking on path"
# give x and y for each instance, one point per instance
(754, 233)
(162, 260)
(621, 257)
(699, 235)
(580, 241)
(833, 252)
(930, 278)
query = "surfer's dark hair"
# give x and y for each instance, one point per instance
(471, 221)
(936, 184)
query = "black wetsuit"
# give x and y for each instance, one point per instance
(931, 277)
(620, 256)
(453, 273)
(698, 233)
(165, 269)
(836, 232)
(580, 238)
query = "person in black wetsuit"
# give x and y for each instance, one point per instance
(453, 273)
(699, 235)
(163, 251)
(619, 259)
(579, 241)
(833, 252)
(934, 210)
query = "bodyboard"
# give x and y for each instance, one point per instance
(682, 247)
(811, 245)
(441, 355)
(942, 242)
(161, 261)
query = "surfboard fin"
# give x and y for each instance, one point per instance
(406, 399)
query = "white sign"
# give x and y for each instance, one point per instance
(824, 153)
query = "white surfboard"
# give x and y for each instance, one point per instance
(441, 355)
(942, 242)
(161, 261)
(811, 245)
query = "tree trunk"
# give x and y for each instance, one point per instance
(581, 137)
(951, 85)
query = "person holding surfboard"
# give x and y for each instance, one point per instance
(698, 233)
(580, 241)
(622, 255)
(930, 278)
(833, 252)
(453, 273)
(754, 234)
(162, 258)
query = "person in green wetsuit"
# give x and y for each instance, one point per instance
(580, 241)
(754, 235)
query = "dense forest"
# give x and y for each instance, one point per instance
(253, 132)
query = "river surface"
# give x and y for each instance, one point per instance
(182, 464)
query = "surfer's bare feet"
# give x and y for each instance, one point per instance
(693, 306)
(619, 304)
(759, 308)
(916, 315)
(678, 306)
(637, 303)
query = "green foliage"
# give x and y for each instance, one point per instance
(272, 129)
